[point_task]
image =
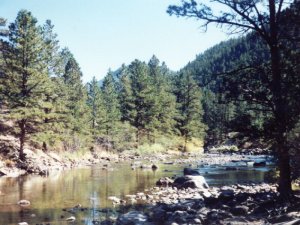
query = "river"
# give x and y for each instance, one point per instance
(51, 197)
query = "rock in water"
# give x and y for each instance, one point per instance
(132, 218)
(189, 171)
(71, 219)
(259, 164)
(24, 203)
(164, 181)
(190, 182)
(154, 167)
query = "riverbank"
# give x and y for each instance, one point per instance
(40, 162)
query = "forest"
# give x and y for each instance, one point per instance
(226, 91)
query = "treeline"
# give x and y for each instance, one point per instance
(43, 94)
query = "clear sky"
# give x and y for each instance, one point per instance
(103, 34)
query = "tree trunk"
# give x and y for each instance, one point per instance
(185, 143)
(22, 126)
(45, 148)
(138, 137)
(285, 188)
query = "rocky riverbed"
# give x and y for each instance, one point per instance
(235, 204)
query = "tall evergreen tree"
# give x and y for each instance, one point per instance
(76, 98)
(52, 109)
(126, 96)
(142, 90)
(97, 108)
(189, 119)
(164, 108)
(26, 77)
(111, 103)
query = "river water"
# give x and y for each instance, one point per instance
(51, 197)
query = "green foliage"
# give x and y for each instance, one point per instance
(96, 104)
(76, 99)
(25, 77)
(111, 104)
(190, 112)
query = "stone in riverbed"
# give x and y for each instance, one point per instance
(71, 219)
(240, 210)
(190, 182)
(259, 164)
(189, 171)
(164, 181)
(159, 214)
(24, 203)
(154, 167)
(114, 199)
(132, 218)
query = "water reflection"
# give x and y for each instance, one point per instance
(52, 197)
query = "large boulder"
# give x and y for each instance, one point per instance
(192, 172)
(190, 182)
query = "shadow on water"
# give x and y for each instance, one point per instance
(53, 197)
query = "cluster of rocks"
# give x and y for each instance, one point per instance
(255, 151)
(236, 204)
(189, 200)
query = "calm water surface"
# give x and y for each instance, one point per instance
(90, 187)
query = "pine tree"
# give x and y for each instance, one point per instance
(96, 104)
(53, 117)
(142, 90)
(77, 109)
(189, 119)
(3, 33)
(26, 77)
(127, 106)
(164, 108)
(111, 103)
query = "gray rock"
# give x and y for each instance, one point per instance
(293, 222)
(190, 182)
(24, 203)
(71, 219)
(132, 218)
(165, 181)
(159, 214)
(240, 210)
(226, 193)
(192, 172)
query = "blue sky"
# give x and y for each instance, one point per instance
(103, 34)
